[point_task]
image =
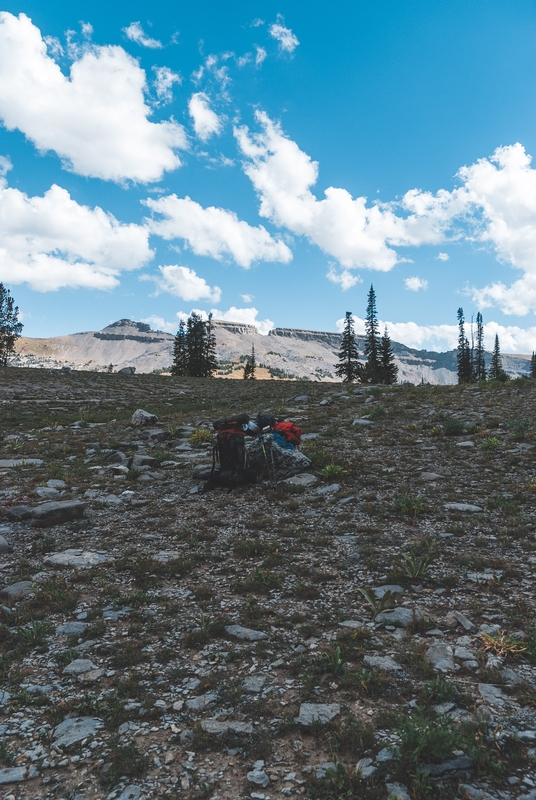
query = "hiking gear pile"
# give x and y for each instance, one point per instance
(230, 463)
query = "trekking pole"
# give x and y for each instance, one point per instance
(270, 465)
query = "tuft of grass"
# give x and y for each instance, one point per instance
(201, 437)
(377, 605)
(409, 505)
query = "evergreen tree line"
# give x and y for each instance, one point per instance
(194, 349)
(470, 357)
(379, 366)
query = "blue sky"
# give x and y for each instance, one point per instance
(269, 161)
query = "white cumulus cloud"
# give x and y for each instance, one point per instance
(214, 232)
(443, 256)
(415, 284)
(135, 33)
(345, 278)
(51, 242)
(163, 83)
(288, 41)
(206, 122)
(184, 283)
(96, 119)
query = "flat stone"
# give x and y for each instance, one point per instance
(165, 556)
(431, 476)
(10, 463)
(365, 768)
(473, 793)
(385, 754)
(216, 727)
(331, 489)
(466, 507)
(441, 657)
(92, 676)
(491, 694)
(253, 684)
(320, 771)
(353, 624)
(317, 712)
(305, 479)
(247, 634)
(16, 590)
(75, 729)
(450, 770)
(465, 444)
(5, 697)
(443, 708)
(306, 437)
(526, 736)
(131, 792)
(56, 483)
(49, 514)
(17, 774)
(398, 616)
(464, 654)
(79, 666)
(4, 545)
(19, 513)
(81, 559)
(46, 492)
(202, 701)
(362, 422)
(394, 588)
(141, 418)
(383, 662)
(71, 629)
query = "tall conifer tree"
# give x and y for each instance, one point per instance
(180, 356)
(496, 371)
(389, 370)
(349, 368)
(533, 367)
(194, 350)
(10, 327)
(465, 367)
(372, 340)
(210, 360)
(479, 362)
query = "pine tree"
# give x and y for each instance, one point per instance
(372, 340)
(195, 345)
(479, 363)
(465, 367)
(180, 360)
(10, 327)
(349, 368)
(533, 367)
(251, 365)
(496, 371)
(389, 370)
(210, 360)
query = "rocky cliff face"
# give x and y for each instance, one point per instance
(285, 352)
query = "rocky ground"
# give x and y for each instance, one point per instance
(365, 630)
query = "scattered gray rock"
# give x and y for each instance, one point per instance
(287, 462)
(202, 701)
(491, 694)
(47, 492)
(48, 514)
(383, 662)
(258, 776)
(79, 666)
(320, 771)
(362, 422)
(440, 655)
(75, 729)
(385, 754)
(319, 712)
(354, 624)
(473, 793)
(253, 684)
(5, 697)
(465, 444)
(17, 590)
(394, 588)
(4, 545)
(365, 768)
(71, 629)
(460, 767)
(464, 621)
(81, 559)
(216, 727)
(443, 708)
(430, 476)
(17, 774)
(398, 616)
(467, 507)
(333, 488)
(398, 791)
(247, 634)
(305, 479)
(10, 463)
(141, 418)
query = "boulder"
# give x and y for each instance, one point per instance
(19, 513)
(467, 507)
(398, 616)
(253, 684)
(141, 418)
(362, 422)
(441, 657)
(287, 462)
(383, 662)
(456, 768)
(17, 774)
(17, 590)
(305, 479)
(79, 666)
(48, 514)
(4, 545)
(247, 634)
(216, 727)
(75, 729)
(127, 371)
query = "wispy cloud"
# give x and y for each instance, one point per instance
(135, 33)
(288, 41)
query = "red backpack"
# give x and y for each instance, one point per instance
(290, 431)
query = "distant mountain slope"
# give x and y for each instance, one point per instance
(286, 352)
